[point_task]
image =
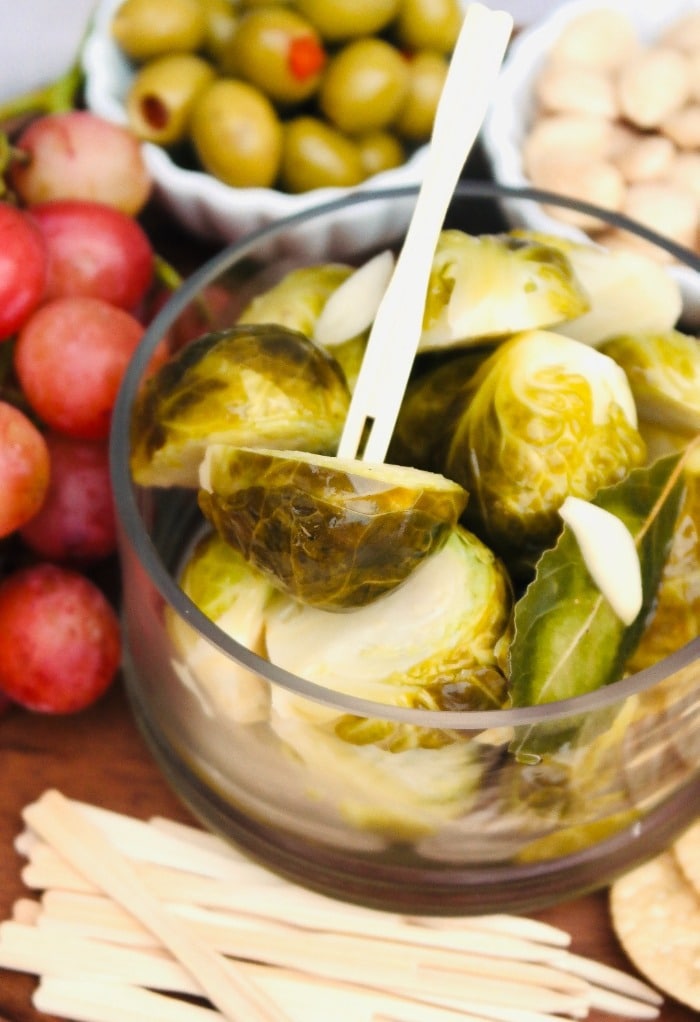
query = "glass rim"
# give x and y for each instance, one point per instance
(133, 528)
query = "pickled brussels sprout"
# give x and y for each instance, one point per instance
(223, 586)
(628, 292)
(297, 299)
(432, 402)
(436, 642)
(332, 533)
(664, 374)
(545, 417)
(489, 285)
(250, 385)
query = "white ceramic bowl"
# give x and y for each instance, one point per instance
(513, 109)
(202, 204)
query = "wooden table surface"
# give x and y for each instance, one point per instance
(99, 756)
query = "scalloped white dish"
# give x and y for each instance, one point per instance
(202, 204)
(513, 109)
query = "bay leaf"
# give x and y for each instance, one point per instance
(567, 639)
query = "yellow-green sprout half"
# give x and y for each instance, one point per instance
(490, 285)
(546, 417)
(297, 302)
(234, 596)
(628, 291)
(257, 385)
(664, 374)
(436, 642)
(334, 533)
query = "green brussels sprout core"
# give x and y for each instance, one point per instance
(223, 586)
(251, 385)
(332, 533)
(545, 417)
(664, 374)
(485, 286)
(434, 643)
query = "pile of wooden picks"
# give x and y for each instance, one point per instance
(156, 920)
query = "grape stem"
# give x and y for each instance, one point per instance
(56, 97)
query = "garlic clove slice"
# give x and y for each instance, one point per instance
(609, 553)
(352, 307)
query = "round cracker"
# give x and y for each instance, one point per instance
(687, 854)
(656, 916)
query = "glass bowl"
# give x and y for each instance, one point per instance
(467, 826)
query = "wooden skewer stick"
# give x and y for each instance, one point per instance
(297, 907)
(307, 997)
(350, 958)
(82, 844)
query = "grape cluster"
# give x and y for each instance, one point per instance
(75, 269)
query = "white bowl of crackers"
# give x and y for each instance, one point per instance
(600, 101)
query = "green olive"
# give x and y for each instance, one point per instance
(316, 155)
(221, 21)
(428, 24)
(427, 73)
(144, 29)
(347, 19)
(277, 50)
(237, 134)
(364, 86)
(161, 97)
(380, 150)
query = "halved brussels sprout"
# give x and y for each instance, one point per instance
(225, 588)
(256, 385)
(332, 533)
(297, 299)
(487, 285)
(628, 292)
(545, 417)
(436, 642)
(401, 793)
(664, 374)
(431, 402)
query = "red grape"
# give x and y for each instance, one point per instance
(76, 522)
(24, 469)
(94, 250)
(70, 359)
(61, 646)
(22, 269)
(78, 155)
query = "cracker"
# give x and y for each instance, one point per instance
(656, 916)
(687, 854)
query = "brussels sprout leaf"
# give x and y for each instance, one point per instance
(568, 640)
